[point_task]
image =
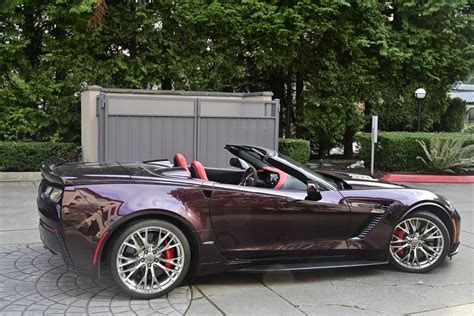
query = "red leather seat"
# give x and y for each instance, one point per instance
(198, 171)
(180, 161)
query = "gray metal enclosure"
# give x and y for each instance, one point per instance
(144, 127)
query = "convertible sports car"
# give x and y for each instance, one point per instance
(153, 223)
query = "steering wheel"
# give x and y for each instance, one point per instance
(249, 178)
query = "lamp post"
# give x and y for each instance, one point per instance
(420, 94)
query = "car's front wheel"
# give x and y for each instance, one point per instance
(419, 243)
(150, 258)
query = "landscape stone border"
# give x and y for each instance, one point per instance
(20, 176)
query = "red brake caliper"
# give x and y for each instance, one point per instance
(400, 234)
(168, 254)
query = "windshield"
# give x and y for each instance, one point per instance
(319, 177)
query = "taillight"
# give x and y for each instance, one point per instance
(52, 193)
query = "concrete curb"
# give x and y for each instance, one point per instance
(20, 176)
(425, 178)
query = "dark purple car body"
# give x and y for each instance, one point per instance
(231, 226)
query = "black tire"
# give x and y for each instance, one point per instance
(130, 229)
(445, 249)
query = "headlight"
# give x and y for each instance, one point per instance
(54, 194)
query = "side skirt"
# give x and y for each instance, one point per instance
(275, 268)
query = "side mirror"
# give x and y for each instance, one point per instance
(313, 191)
(238, 163)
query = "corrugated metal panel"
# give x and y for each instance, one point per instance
(215, 133)
(466, 96)
(152, 127)
(134, 138)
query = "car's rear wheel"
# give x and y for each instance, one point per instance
(419, 243)
(150, 258)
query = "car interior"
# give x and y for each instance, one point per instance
(243, 173)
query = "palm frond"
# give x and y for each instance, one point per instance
(467, 152)
(447, 155)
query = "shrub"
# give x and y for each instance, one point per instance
(397, 151)
(295, 148)
(27, 156)
(447, 155)
(469, 129)
(453, 119)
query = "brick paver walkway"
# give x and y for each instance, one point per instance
(33, 281)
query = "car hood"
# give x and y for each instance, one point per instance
(360, 181)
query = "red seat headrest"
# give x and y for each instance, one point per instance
(199, 170)
(180, 161)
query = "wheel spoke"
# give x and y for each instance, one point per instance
(154, 279)
(166, 270)
(427, 255)
(398, 248)
(160, 241)
(434, 237)
(143, 280)
(134, 269)
(167, 248)
(144, 240)
(415, 255)
(406, 229)
(407, 255)
(413, 228)
(172, 261)
(434, 250)
(129, 261)
(398, 241)
(426, 230)
(132, 246)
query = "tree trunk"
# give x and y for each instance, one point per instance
(34, 35)
(348, 140)
(299, 103)
(166, 84)
(368, 116)
(289, 105)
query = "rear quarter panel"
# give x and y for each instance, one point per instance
(92, 212)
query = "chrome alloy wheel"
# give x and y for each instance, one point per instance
(416, 243)
(150, 260)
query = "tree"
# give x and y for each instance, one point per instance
(331, 63)
(435, 43)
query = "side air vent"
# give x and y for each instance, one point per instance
(378, 213)
(367, 229)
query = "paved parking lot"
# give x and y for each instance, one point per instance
(32, 281)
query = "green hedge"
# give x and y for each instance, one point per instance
(295, 148)
(28, 156)
(397, 151)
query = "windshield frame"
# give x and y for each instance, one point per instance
(300, 171)
(258, 156)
